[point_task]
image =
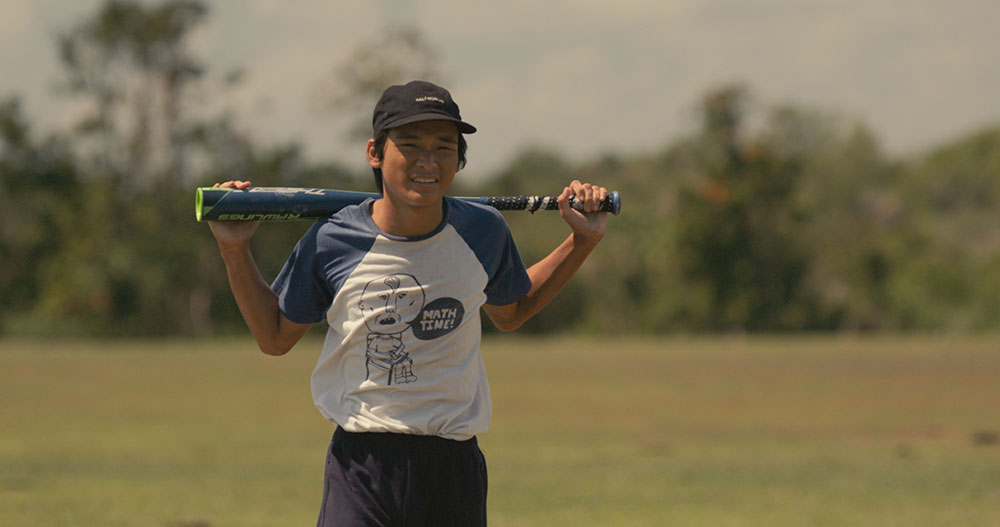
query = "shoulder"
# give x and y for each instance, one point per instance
(344, 230)
(465, 215)
(484, 231)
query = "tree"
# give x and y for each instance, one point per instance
(129, 61)
(740, 235)
(945, 275)
(395, 56)
(852, 215)
(39, 192)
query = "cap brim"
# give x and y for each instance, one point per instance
(463, 126)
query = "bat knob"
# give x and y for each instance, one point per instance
(614, 202)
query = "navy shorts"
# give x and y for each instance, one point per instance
(383, 480)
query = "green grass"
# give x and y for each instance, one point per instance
(713, 432)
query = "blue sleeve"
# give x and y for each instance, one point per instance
(303, 293)
(509, 281)
(487, 234)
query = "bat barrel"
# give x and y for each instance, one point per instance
(271, 203)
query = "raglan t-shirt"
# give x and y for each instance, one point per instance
(402, 349)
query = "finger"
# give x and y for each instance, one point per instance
(590, 196)
(575, 186)
(585, 193)
(600, 194)
(237, 184)
(569, 193)
(563, 198)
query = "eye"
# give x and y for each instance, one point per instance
(402, 295)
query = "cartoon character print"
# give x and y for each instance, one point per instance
(389, 306)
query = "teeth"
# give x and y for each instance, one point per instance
(421, 180)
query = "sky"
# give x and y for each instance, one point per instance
(581, 77)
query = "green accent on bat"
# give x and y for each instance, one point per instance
(200, 209)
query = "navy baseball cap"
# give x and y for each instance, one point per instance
(413, 102)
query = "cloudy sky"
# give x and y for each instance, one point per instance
(580, 76)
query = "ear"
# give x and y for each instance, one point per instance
(373, 158)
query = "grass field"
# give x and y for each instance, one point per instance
(712, 432)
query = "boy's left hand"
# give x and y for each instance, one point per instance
(587, 226)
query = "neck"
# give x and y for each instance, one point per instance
(406, 221)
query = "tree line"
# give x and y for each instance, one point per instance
(799, 222)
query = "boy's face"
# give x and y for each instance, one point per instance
(419, 162)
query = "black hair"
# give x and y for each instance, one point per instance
(379, 147)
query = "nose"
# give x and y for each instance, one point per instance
(426, 159)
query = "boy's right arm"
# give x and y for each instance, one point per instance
(258, 303)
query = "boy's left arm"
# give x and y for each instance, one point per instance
(553, 272)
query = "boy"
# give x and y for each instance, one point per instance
(400, 281)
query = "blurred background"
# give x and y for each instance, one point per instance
(784, 166)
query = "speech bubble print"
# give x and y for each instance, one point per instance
(438, 318)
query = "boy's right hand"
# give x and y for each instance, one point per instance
(233, 234)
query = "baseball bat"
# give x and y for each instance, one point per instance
(294, 203)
